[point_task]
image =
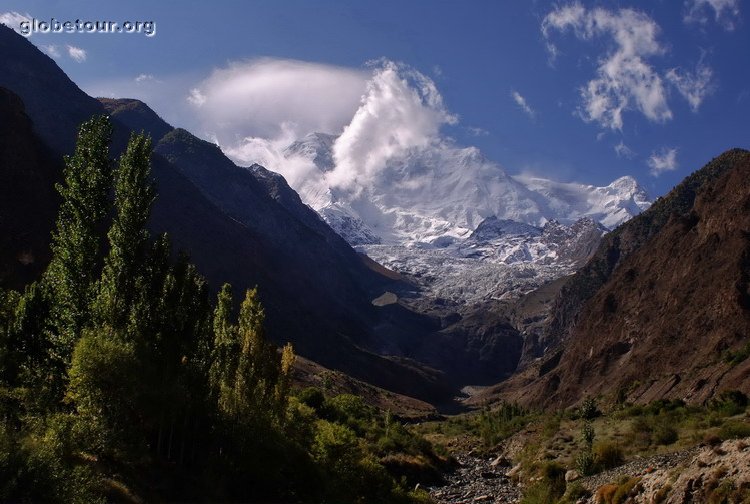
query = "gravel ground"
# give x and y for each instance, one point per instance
(476, 480)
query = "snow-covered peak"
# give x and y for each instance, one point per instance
(443, 191)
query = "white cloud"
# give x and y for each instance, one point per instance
(725, 12)
(624, 151)
(254, 98)
(255, 109)
(693, 86)
(77, 53)
(14, 19)
(521, 102)
(196, 97)
(662, 161)
(52, 50)
(144, 77)
(624, 78)
(477, 131)
(402, 110)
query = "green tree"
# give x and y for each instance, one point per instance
(226, 344)
(134, 194)
(76, 240)
(249, 378)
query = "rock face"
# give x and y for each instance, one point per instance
(704, 474)
(663, 308)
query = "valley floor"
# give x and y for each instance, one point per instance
(477, 479)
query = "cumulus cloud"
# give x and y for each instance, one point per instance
(14, 19)
(623, 151)
(254, 110)
(625, 80)
(77, 53)
(693, 86)
(254, 98)
(521, 102)
(402, 110)
(725, 12)
(662, 161)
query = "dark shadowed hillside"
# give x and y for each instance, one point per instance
(664, 306)
(28, 200)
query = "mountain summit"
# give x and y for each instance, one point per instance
(446, 191)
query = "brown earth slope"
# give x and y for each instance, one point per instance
(672, 316)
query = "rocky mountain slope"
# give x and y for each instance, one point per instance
(238, 226)
(248, 227)
(662, 309)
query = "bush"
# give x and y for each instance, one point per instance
(665, 434)
(499, 424)
(588, 409)
(662, 494)
(575, 492)
(624, 489)
(312, 397)
(734, 430)
(585, 463)
(729, 403)
(551, 486)
(640, 430)
(609, 456)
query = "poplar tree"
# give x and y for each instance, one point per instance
(257, 393)
(226, 344)
(134, 194)
(77, 237)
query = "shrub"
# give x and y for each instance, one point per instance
(624, 489)
(506, 420)
(588, 409)
(662, 494)
(575, 492)
(550, 488)
(585, 463)
(734, 430)
(588, 434)
(641, 430)
(665, 434)
(609, 455)
(729, 403)
(312, 397)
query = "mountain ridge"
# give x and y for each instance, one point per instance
(663, 308)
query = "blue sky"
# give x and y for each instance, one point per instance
(584, 91)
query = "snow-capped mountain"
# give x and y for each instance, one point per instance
(438, 193)
(610, 205)
(456, 223)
